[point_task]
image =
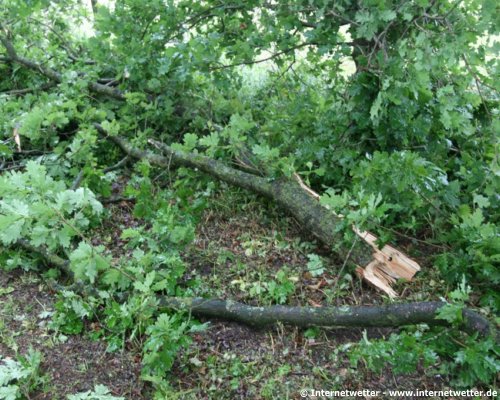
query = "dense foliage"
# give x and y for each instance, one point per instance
(389, 108)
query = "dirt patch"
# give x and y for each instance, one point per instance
(227, 360)
(72, 365)
(230, 361)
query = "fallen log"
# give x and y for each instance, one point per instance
(380, 267)
(318, 220)
(391, 315)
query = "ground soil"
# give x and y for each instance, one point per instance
(227, 360)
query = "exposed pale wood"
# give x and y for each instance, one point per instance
(400, 266)
(389, 264)
(305, 187)
(375, 274)
(17, 138)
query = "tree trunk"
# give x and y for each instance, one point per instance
(392, 315)
(93, 4)
(311, 215)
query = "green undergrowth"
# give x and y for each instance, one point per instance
(19, 378)
(403, 143)
(120, 292)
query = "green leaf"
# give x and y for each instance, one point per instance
(334, 201)
(11, 227)
(375, 109)
(481, 201)
(112, 128)
(40, 235)
(145, 286)
(100, 392)
(5, 150)
(387, 15)
(264, 152)
(315, 265)
(211, 141)
(451, 313)
(86, 262)
(190, 141)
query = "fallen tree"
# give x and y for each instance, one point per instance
(287, 193)
(379, 267)
(392, 127)
(392, 315)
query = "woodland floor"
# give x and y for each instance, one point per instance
(234, 248)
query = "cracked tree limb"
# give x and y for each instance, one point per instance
(321, 222)
(379, 267)
(287, 193)
(391, 315)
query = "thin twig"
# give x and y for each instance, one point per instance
(78, 180)
(118, 165)
(272, 56)
(356, 237)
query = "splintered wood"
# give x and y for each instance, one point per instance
(388, 265)
(17, 138)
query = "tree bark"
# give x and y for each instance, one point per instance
(392, 315)
(311, 215)
(93, 4)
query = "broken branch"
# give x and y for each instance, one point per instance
(388, 265)
(301, 203)
(392, 315)
(321, 222)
